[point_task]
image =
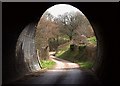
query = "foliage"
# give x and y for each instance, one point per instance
(47, 64)
(45, 30)
(54, 43)
(65, 52)
(92, 40)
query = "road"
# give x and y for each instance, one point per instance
(64, 72)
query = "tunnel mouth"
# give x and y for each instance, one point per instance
(28, 57)
(31, 43)
(51, 20)
(45, 36)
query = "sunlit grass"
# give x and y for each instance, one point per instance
(62, 50)
(47, 64)
(85, 64)
(92, 40)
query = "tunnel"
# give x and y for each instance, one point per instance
(18, 17)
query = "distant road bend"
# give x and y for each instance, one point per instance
(64, 72)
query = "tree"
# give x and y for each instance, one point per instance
(50, 28)
(46, 29)
(74, 25)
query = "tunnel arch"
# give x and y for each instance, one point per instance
(30, 31)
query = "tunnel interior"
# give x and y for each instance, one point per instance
(99, 15)
(26, 55)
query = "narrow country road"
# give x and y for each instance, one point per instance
(63, 64)
(64, 72)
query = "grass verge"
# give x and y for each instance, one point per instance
(75, 56)
(47, 64)
(85, 64)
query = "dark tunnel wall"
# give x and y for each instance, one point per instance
(102, 17)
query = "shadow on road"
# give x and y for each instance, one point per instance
(66, 77)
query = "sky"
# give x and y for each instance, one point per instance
(60, 9)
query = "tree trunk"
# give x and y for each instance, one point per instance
(70, 37)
